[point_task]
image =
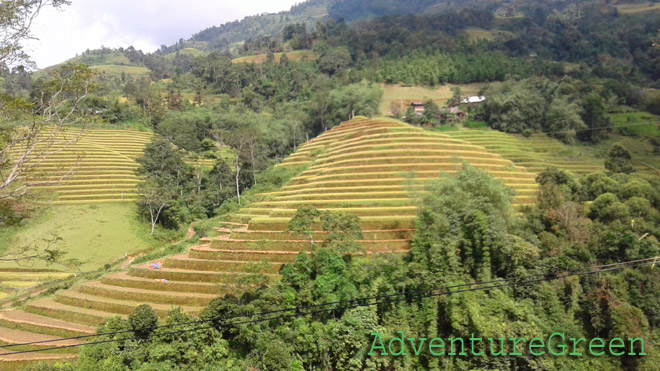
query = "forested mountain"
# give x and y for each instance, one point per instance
(224, 37)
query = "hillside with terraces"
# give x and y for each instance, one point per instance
(364, 166)
(100, 167)
(539, 152)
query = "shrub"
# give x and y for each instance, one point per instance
(607, 208)
(143, 320)
(619, 160)
(638, 206)
(637, 188)
(595, 184)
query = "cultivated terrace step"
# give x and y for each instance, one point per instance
(190, 275)
(26, 321)
(185, 262)
(124, 279)
(10, 336)
(147, 296)
(81, 315)
(231, 225)
(246, 246)
(271, 256)
(244, 255)
(117, 306)
(19, 361)
(377, 234)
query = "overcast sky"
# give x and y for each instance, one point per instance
(145, 24)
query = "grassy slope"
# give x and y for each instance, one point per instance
(638, 7)
(293, 56)
(96, 234)
(476, 34)
(398, 93)
(631, 118)
(190, 51)
(115, 70)
(539, 150)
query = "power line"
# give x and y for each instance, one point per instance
(572, 271)
(489, 285)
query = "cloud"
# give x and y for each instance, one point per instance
(145, 24)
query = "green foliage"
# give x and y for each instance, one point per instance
(142, 321)
(333, 60)
(431, 113)
(533, 105)
(341, 230)
(471, 214)
(303, 223)
(470, 124)
(619, 160)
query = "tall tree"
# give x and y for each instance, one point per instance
(155, 196)
(16, 19)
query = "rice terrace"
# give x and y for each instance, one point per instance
(341, 185)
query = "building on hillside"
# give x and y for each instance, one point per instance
(453, 113)
(418, 107)
(474, 99)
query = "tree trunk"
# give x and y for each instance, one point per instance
(238, 190)
(153, 220)
(254, 171)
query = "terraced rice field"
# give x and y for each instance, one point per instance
(14, 282)
(537, 153)
(361, 167)
(23, 279)
(103, 163)
(293, 56)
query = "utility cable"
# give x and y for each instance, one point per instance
(447, 291)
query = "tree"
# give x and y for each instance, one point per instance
(343, 231)
(349, 101)
(242, 140)
(593, 115)
(163, 161)
(143, 321)
(335, 60)
(16, 19)
(165, 178)
(303, 223)
(456, 98)
(619, 160)
(155, 195)
(284, 60)
(563, 120)
(431, 113)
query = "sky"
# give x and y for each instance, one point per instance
(145, 24)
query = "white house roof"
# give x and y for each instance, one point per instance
(474, 99)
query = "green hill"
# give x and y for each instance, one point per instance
(102, 164)
(362, 167)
